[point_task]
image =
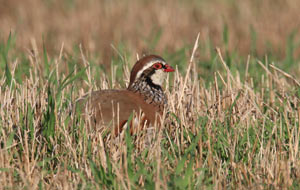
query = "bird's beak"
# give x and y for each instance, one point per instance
(168, 68)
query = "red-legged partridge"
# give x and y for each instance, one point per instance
(143, 95)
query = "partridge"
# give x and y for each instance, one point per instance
(144, 95)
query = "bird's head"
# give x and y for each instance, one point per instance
(153, 68)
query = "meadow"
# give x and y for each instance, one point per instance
(232, 120)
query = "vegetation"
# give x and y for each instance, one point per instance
(232, 120)
(229, 131)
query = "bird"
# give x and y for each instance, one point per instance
(144, 95)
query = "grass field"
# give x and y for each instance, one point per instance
(233, 116)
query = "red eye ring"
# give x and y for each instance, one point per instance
(157, 66)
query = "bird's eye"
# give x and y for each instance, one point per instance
(157, 65)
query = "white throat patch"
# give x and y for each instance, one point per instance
(158, 77)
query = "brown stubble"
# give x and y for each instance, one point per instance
(98, 24)
(273, 165)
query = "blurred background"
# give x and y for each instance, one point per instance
(245, 27)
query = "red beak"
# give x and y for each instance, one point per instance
(168, 68)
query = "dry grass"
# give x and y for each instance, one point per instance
(229, 134)
(239, 131)
(259, 26)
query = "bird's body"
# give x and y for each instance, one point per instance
(143, 95)
(119, 105)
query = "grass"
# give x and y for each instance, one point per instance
(96, 24)
(232, 122)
